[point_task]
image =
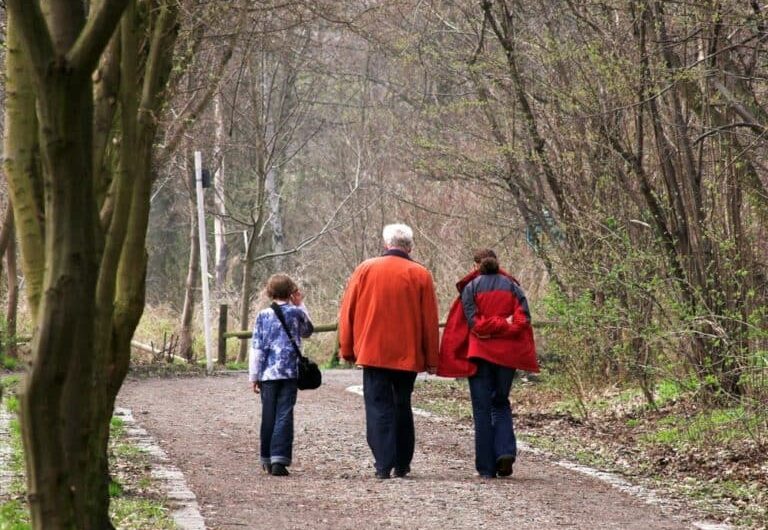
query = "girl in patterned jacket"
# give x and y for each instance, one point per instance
(273, 370)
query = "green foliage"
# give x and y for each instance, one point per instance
(116, 427)
(14, 516)
(12, 404)
(234, 365)
(115, 489)
(717, 426)
(140, 514)
(8, 363)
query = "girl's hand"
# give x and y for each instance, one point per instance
(297, 297)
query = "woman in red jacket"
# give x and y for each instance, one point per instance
(487, 338)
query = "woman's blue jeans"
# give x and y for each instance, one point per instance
(494, 431)
(277, 401)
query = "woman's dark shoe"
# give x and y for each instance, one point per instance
(279, 470)
(504, 465)
(267, 468)
(401, 473)
(381, 475)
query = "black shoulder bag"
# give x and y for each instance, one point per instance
(309, 373)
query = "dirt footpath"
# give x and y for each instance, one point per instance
(209, 428)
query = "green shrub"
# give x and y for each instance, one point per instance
(14, 516)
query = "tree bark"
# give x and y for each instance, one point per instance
(246, 293)
(93, 279)
(221, 249)
(21, 169)
(273, 187)
(193, 274)
(8, 249)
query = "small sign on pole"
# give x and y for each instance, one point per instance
(203, 260)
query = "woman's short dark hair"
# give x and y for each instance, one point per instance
(281, 287)
(486, 258)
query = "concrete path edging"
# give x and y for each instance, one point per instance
(185, 510)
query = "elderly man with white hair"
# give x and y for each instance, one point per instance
(388, 324)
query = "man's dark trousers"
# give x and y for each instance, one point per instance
(389, 417)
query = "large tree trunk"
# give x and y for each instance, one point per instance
(94, 274)
(64, 469)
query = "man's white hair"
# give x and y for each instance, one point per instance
(398, 236)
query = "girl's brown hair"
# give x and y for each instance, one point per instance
(281, 287)
(486, 258)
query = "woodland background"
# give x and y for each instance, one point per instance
(612, 152)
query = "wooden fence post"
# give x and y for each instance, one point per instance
(222, 330)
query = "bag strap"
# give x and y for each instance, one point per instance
(279, 313)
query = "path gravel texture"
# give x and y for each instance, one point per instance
(209, 428)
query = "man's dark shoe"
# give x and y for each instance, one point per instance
(279, 470)
(504, 465)
(267, 468)
(381, 475)
(401, 473)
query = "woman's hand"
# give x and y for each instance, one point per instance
(256, 387)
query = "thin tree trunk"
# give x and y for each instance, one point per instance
(21, 167)
(13, 292)
(219, 229)
(193, 274)
(273, 186)
(245, 295)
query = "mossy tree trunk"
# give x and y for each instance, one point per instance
(89, 253)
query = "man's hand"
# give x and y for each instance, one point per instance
(256, 387)
(346, 358)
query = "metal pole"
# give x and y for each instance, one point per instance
(203, 260)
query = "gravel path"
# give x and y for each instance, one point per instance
(209, 428)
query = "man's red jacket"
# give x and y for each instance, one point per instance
(489, 299)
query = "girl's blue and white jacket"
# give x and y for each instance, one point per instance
(272, 355)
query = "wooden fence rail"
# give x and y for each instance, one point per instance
(223, 334)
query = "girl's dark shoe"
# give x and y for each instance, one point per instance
(279, 470)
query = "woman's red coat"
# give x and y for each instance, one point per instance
(492, 338)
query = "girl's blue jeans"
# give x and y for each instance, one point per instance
(277, 401)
